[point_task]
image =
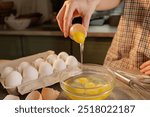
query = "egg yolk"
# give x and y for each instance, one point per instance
(78, 37)
(88, 87)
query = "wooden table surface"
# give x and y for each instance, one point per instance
(121, 91)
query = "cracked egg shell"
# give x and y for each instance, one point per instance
(51, 58)
(22, 66)
(59, 65)
(11, 97)
(13, 79)
(37, 62)
(34, 95)
(45, 69)
(63, 55)
(29, 74)
(72, 61)
(6, 71)
(49, 94)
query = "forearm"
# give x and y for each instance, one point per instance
(107, 4)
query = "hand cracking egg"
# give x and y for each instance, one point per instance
(63, 55)
(29, 74)
(13, 79)
(6, 71)
(78, 33)
(59, 65)
(72, 61)
(45, 69)
(22, 66)
(51, 58)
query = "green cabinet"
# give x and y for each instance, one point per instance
(10, 47)
(95, 49)
(36, 44)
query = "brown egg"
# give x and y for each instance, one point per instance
(34, 95)
(49, 94)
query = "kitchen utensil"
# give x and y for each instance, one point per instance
(139, 82)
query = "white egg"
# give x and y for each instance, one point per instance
(30, 73)
(72, 61)
(63, 55)
(45, 69)
(22, 66)
(51, 58)
(59, 65)
(11, 97)
(13, 79)
(6, 71)
(37, 62)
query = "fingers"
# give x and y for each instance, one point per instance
(86, 21)
(68, 19)
(145, 64)
(145, 68)
(60, 17)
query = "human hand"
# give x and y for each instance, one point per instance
(75, 8)
(145, 68)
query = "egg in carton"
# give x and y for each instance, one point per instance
(36, 71)
(17, 66)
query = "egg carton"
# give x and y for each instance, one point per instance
(32, 85)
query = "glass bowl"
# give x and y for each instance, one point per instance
(89, 82)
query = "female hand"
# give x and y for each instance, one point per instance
(75, 8)
(145, 68)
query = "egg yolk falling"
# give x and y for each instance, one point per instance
(77, 33)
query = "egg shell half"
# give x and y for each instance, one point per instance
(49, 94)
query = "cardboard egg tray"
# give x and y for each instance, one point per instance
(34, 84)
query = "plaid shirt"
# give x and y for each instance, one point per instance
(131, 44)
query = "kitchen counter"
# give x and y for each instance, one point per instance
(121, 91)
(45, 30)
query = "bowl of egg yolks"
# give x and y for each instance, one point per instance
(91, 82)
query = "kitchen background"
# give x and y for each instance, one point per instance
(29, 26)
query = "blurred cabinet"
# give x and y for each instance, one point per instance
(95, 49)
(36, 44)
(10, 47)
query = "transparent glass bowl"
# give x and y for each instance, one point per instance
(90, 82)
